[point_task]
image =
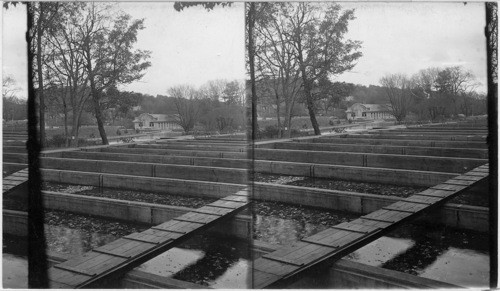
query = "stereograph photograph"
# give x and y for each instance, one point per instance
(233, 145)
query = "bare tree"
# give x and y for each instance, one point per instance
(318, 34)
(454, 83)
(426, 80)
(215, 89)
(9, 88)
(13, 107)
(276, 63)
(107, 47)
(187, 109)
(398, 88)
(65, 71)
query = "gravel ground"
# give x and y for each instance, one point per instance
(341, 185)
(129, 195)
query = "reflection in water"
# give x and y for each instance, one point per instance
(74, 234)
(422, 254)
(14, 262)
(214, 261)
(449, 255)
(280, 223)
(14, 271)
(379, 251)
(171, 262)
(74, 241)
(470, 268)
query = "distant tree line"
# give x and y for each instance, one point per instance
(434, 94)
(14, 107)
(218, 106)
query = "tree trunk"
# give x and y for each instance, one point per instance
(312, 114)
(289, 122)
(41, 99)
(280, 131)
(251, 53)
(307, 91)
(66, 125)
(37, 258)
(95, 99)
(98, 116)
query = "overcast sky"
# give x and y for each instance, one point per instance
(195, 45)
(408, 37)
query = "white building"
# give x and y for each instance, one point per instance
(369, 111)
(156, 121)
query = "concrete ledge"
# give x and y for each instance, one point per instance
(14, 149)
(352, 173)
(421, 163)
(160, 159)
(213, 154)
(174, 186)
(188, 146)
(15, 158)
(396, 142)
(187, 172)
(383, 149)
(417, 136)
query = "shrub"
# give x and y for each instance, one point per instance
(57, 140)
(269, 131)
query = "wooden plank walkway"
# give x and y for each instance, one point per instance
(337, 241)
(14, 180)
(136, 248)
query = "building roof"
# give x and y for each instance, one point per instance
(157, 117)
(371, 107)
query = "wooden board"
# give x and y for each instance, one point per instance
(14, 180)
(458, 182)
(422, 199)
(438, 193)
(452, 188)
(273, 266)
(236, 198)
(468, 178)
(227, 204)
(405, 206)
